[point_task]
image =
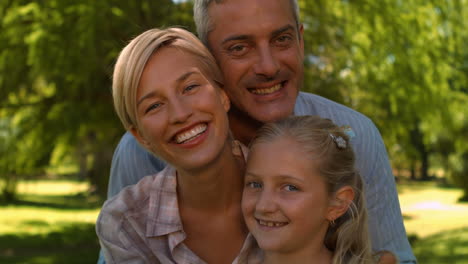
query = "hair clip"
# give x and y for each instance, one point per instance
(339, 141)
(348, 131)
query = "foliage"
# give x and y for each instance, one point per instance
(56, 60)
(402, 63)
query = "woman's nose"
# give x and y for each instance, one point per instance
(180, 111)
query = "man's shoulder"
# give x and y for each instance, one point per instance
(312, 104)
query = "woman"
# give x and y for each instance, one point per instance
(167, 93)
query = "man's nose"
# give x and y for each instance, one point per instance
(267, 64)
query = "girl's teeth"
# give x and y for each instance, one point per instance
(190, 134)
(271, 224)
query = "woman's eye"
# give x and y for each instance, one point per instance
(291, 188)
(254, 185)
(190, 87)
(152, 106)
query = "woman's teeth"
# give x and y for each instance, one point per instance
(190, 134)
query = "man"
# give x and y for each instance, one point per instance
(260, 49)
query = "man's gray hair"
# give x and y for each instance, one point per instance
(204, 24)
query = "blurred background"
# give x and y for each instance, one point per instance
(402, 63)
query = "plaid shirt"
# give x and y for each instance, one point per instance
(142, 224)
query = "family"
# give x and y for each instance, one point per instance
(226, 161)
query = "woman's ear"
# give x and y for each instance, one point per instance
(225, 100)
(139, 137)
(340, 202)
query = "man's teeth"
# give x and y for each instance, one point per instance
(190, 134)
(267, 90)
(271, 224)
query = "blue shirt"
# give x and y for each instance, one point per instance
(131, 162)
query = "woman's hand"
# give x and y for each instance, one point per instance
(387, 257)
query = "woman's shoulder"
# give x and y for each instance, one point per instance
(136, 197)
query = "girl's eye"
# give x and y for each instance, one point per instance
(153, 106)
(254, 185)
(291, 188)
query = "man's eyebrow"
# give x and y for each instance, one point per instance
(182, 78)
(235, 37)
(274, 33)
(282, 30)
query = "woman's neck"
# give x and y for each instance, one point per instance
(217, 185)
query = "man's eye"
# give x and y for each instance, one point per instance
(152, 107)
(238, 49)
(284, 39)
(291, 188)
(254, 185)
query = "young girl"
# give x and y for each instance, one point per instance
(303, 198)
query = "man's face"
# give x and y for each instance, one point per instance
(260, 51)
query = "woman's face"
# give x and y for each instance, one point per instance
(181, 113)
(285, 201)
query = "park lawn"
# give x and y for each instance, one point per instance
(435, 222)
(53, 222)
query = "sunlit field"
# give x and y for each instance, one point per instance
(53, 222)
(435, 222)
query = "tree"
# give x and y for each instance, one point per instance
(401, 63)
(56, 61)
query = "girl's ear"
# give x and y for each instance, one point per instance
(340, 202)
(139, 137)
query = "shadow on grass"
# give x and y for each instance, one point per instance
(449, 247)
(75, 243)
(81, 201)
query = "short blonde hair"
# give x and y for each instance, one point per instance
(133, 58)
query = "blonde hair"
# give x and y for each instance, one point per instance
(348, 238)
(133, 58)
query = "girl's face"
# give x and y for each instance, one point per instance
(285, 202)
(181, 113)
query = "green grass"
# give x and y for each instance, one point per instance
(53, 222)
(436, 223)
(449, 247)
